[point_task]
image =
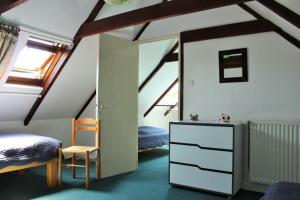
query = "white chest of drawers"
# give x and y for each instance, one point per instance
(206, 156)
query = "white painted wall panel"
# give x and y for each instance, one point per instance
(271, 93)
(55, 128)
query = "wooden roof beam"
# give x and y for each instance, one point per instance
(278, 30)
(282, 11)
(151, 13)
(61, 64)
(159, 66)
(161, 97)
(6, 5)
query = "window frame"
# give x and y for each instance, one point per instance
(52, 61)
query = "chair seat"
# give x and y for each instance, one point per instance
(79, 149)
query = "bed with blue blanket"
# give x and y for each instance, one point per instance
(283, 191)
(25, 150)
(152, 137)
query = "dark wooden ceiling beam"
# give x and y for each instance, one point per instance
(172, 57)
(158, 67)
(151, 13)
(282, 11)
(61, 64)
(86, 105)
(161, 97)
(144, 27)
(278, 30)
(6, 5)
(138, 35)
(230, 30)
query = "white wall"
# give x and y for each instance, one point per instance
(55, 128)
(272, 91)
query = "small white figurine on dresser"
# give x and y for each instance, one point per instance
(224, 117)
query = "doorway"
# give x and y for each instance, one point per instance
(158, 97)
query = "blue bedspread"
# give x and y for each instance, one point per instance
(24, 148)
(283, 191)
(152, 137)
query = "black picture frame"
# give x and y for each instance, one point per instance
(234, 58)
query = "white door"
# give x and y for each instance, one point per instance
(117, 97)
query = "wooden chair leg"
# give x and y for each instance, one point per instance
(97, 167)
(59, 167)
(52, 174)
(74, 163)
(87, 170)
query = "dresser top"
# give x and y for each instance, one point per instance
(208, 123)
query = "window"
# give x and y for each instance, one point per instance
(34, 63)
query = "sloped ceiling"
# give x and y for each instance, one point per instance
(276, 19)
(293, 5)
(214, 17)
(58, 17)
(77, 81)
(75, 84)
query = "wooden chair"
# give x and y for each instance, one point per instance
(85, 124)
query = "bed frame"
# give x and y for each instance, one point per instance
(51, 170)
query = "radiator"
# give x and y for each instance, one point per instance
(274, 152)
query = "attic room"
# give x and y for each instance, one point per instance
(157, 99)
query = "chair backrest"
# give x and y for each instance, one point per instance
(86, 124)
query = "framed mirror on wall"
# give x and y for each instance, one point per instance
(233, 66)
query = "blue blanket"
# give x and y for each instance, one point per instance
(283, 191)
(25, 148)
(152, 137)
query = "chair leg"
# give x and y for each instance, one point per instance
(87, 170)
(74, 163)
(97, 167)
(59, 167)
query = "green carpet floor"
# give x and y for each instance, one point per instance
(149, 182)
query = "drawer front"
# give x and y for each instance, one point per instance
(205, 136)
(209, 159)
(193, 177)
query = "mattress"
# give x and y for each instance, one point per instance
(24, 148)
(283, 191)
(152, 137)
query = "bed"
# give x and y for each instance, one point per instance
(20, 151)
(152, 137)
(283, 191)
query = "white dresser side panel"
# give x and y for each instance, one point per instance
(209, 159)
(205, 136)
(238, 157)
(194, 177)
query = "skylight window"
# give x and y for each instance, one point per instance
(34, 61)
(31, 62)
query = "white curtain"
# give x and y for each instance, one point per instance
(7, 45)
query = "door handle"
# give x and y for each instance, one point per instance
(103, 107)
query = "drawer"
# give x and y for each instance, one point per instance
(218, 137)
(209, 159)
(194, 177)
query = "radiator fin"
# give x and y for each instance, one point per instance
(274, 152)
